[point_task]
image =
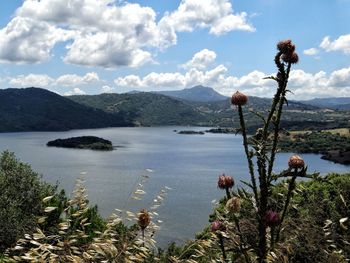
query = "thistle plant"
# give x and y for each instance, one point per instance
(260, 152)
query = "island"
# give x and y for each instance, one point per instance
(222, 130)
(191, 132)
(83, 142)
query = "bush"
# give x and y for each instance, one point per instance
(21, 194)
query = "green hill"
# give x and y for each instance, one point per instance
(34, 109)
(151, 109)
(146, 109)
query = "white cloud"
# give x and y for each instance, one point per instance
(217, 15)
(107, 89)
(45, 81)
(342, 43)
(25, 40)
(75, 91)
(311, 51)
(107, 34)
(31, 80)
(340, 78)
(76, 80)
(201, 59)
(304, 85)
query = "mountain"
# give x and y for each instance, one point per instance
(35, 109)
(341, 103)
(197, 93)
(145, 108)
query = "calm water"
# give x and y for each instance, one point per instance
(189, 164)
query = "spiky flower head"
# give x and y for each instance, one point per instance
(144, 219)
(216, 226)
(239, 99)
(272, 218)
(296, 162)
(234, 205)
(286, 46)
(290, 58)
(225, 182)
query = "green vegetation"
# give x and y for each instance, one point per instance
(21, 194)
(334, 146)
(83, 142)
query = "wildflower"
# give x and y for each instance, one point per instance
(144, 219)
(225, 182)
(239, 99)
(234, 205)
(290, 58)
(286, 46)
(272, 218)
(216, 226)
(296, 162)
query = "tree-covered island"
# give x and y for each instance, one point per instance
(83, 142)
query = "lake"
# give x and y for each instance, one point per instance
(189, 164)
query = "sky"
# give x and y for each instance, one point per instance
(101, 46)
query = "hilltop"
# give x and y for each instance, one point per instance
(35, 109)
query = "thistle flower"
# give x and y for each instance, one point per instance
(272, 218)
(239, 99)
(225, 182)
(144, 219)
(290, 58)
(296, 162)
(286, 46)
(234, 205)
(216, 226)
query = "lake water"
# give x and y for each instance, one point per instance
(189, 164)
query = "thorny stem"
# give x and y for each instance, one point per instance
(246, 257)
(261, 156)
(277, 124)
(222, 246)
(291, 187)
(228, 193)
(250, 162)
(272, 237)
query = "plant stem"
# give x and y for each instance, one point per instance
(277, 123)
(246, 257)
(228, 194)
(291, 187)
(222, 246)
(250, 162)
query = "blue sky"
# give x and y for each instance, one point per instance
(94, 46)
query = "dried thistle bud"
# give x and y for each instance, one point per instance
(286, 46)
(144, 219)
(296, 162)
(216, 226)
(225, 182)
(272, 218)
(290, 58)
(234, 205)
(239, 99)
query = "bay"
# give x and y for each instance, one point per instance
(188, 164)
